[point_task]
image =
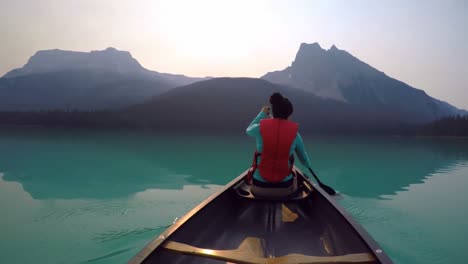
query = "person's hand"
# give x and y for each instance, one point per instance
(266, 110)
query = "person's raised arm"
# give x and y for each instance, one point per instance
(301, 152)
(254, 128)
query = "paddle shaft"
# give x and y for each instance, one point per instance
(326, 188)
(315, 176)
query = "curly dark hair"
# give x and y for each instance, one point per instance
(281, 107)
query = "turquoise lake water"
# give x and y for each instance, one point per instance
(99, 197)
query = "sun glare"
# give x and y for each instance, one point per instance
(211, 30)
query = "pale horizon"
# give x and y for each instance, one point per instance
(422, 43)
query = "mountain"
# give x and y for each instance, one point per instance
(331, 91)
(225, 104)
(109, 60)
(231, 103)
(336, 74)
(58, 79)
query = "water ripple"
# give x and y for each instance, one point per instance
(114, 253)
(124, 233)
(98, 209)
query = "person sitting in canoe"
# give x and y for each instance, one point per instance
(277, 139)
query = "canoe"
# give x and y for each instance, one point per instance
(233, 226)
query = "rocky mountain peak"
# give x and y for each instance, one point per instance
(308, 51)
(110, 49)
(338, 75)
(333, 48)
(109, 60)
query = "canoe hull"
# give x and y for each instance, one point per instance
(312, 226)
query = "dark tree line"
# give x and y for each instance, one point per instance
(124, 119)
(62, 118)
(456, 126)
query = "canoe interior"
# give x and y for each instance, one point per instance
(310, 226)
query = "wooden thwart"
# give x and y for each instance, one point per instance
(251, 252)
(287, 215)
(252, 246)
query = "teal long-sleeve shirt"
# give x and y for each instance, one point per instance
(297, 146)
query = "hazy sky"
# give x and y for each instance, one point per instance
(423, 43)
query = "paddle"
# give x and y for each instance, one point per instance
(326, 188)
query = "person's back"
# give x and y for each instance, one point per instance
(277, 139)
(277, 135)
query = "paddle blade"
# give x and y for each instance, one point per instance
(328, 189)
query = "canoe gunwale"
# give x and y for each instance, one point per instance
(373, 246)
(148, 249)
(376, 250)
(242, 256)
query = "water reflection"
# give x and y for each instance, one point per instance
(87, 230)
(372, 167)
(53, 164)
(425, 223)
(99, 197)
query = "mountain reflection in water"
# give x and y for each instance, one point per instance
(53, 164)
(99, 197)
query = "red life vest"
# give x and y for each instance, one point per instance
(278, 136)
